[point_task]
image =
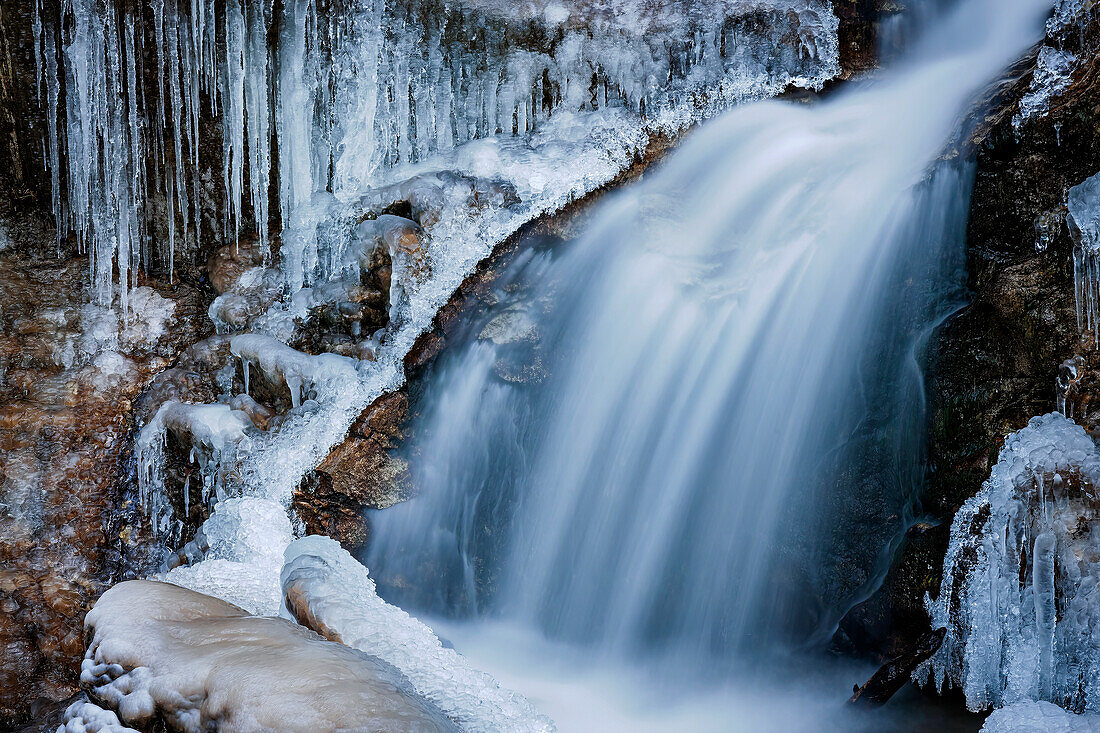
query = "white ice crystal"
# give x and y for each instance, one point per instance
(1053, 73)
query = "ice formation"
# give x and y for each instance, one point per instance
(1053, 73)
(1019, 592)
(241, 548)
(87, 717)
(203, 664)
(303, 374)
(1083, 219)
(348, 95)
(325, 588)
(1068, 13)
(210, 432)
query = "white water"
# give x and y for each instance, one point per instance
(724, 448)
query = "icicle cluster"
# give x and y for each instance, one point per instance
(126, 121)
(1020, 596)
(210, 432)
(355, 89)
(1083, 218)
(460, 72)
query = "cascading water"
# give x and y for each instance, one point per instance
(728, 436)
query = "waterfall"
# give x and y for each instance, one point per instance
(722, 436)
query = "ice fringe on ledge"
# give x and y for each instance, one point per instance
(211, 432)
(348, 95)
(330, 591)
(1019, 595)
(303, 374)
(1083, 219)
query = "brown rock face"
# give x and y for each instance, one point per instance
(360, 473)
(69, 374)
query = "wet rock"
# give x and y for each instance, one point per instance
(226, 266)
(361, 473)
(70, 374)
(897, 672)
(997, 362)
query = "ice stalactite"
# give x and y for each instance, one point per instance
(1019, 592)
(210, 433)
(1083, 219)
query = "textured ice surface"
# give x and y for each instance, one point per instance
(1019, 592)
(87, 717)
(241, 551)
(1053, 73)
(328, 590)
(204, 664)
(1036, 717)
(1083, 219)
(1068, 13)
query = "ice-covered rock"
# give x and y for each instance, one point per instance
(326, 589)
(1019, 592)
(1053, 74)
(200, 664)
